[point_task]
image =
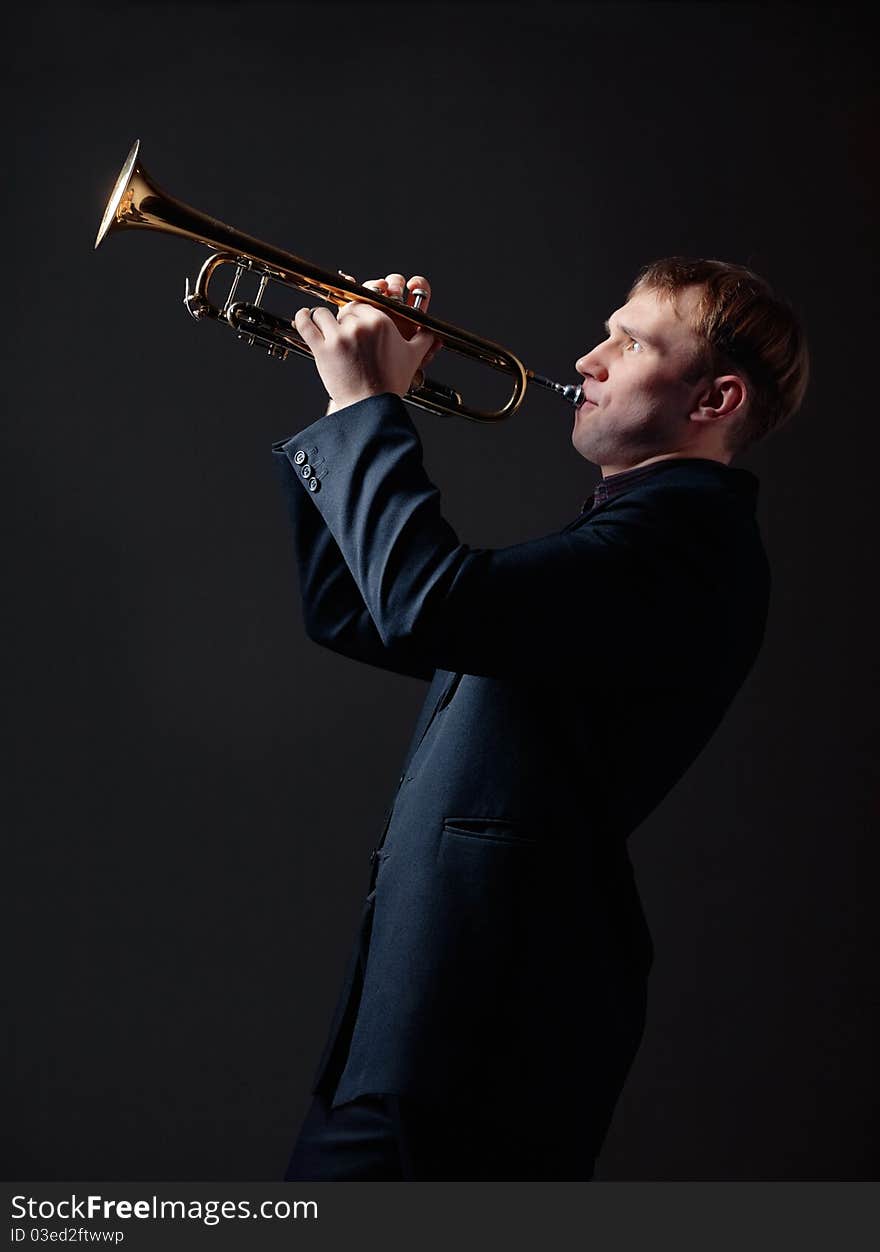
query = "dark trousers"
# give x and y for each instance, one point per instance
(386, 1138)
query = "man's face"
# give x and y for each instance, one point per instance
(640, 383)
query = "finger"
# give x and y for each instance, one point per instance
(323, 318)
(396, 285)
(378, 285)
(361, 317)
(307, 327)
(358, 308)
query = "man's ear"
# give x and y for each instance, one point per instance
(724, 397)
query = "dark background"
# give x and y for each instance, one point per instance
(193, 787)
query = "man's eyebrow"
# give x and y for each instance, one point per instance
(633, 334)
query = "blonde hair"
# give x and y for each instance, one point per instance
(744, 328)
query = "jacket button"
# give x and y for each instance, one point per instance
(313, 484)
(306, 470)
(299, 459)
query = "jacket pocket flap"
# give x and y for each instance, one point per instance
(494, 829)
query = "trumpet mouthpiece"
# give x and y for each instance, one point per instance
(572, 394)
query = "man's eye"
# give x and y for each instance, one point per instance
(633, 346)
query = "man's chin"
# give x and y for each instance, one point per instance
(587, 444)
(593, 455)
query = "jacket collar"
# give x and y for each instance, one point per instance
(743, 483)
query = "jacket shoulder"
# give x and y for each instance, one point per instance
(698, 518)
(706, 501)
(704, 484)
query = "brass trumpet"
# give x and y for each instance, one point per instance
(136, 201)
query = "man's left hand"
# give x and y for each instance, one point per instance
(359, 352)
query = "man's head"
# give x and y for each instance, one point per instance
(702, 360)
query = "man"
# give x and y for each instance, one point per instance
(495, 997)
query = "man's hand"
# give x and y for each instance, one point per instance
(361, 351)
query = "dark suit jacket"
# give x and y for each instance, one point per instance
(573, 679)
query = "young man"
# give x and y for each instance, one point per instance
(495, 997)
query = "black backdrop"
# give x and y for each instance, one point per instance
(193, 787)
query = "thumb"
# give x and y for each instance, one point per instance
(420, 345)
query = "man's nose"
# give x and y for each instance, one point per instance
(590, 366)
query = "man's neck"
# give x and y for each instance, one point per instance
(609, 470)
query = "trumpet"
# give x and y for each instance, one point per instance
(136, 202)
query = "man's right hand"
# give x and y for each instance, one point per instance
(362, 351)
(395, 285)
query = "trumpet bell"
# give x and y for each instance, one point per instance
(119, 206)
(137, 200)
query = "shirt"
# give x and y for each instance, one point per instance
(615, 484)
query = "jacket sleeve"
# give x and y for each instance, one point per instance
(614, 596)
(334, 613)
